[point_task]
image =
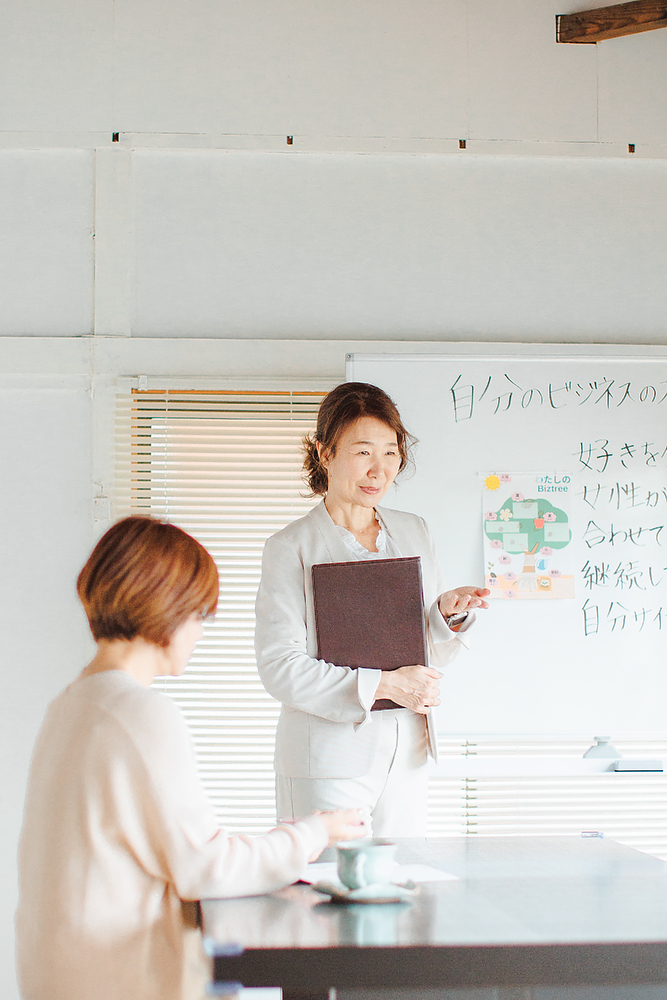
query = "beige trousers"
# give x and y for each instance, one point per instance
(392, 794)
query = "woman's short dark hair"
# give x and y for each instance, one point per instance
(340, 408)
(145, 578)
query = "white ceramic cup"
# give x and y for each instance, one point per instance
(365, 862)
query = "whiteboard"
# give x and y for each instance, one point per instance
(591, 664)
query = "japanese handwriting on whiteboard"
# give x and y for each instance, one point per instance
(499, 394)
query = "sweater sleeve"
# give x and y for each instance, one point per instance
(334, 692)
(179, 837)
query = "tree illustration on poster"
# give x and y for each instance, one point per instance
(523, 532)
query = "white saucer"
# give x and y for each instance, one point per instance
(377, 892)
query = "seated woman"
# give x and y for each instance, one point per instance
(118, 831)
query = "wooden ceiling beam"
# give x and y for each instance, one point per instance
(590, 26)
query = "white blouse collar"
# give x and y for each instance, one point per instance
(386, 547)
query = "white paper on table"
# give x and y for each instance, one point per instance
(326, 871)
(423, 873)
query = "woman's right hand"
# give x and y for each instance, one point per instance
(343, 824)
(415, 687)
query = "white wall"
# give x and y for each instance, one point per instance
(201, 222)
(46, 251)
(479, 69)
(213, 243)
(45, 455)
(425, 247)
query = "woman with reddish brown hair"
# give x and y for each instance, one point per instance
(332, 748)
(118, 834)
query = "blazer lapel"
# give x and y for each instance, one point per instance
(338, 550)
(399, 530)
(412, 540)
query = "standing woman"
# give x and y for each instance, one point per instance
(331, 750)
(118, 834)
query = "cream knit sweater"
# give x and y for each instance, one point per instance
(117, 832)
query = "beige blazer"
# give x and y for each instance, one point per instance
(323, 730)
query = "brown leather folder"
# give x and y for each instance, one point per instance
(370, 613)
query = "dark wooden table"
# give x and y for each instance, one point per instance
(525, 911)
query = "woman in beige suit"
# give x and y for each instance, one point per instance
(331, 750)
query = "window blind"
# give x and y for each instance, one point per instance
(226, 466)
(629, 808)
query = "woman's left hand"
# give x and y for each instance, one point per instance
(462, 599)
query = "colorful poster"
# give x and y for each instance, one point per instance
(527, 535)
